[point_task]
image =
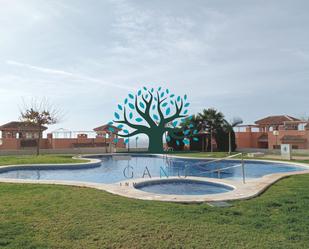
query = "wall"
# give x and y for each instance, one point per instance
(10, 144)
(250, 139)
(49, 143)
(76, 151)
(272, 138)
(247, 139)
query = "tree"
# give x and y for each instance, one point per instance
(211, 120)
(230, 128)
(39, 113)
(153, 113)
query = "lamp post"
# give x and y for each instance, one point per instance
(136, 142)
(105, 137)
(276, 134)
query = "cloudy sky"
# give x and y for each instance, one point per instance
(245, 58)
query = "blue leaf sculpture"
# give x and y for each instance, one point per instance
(126, 101)
(131, 106)
(175, 123)
(138, 119)
(139, 92)
(185, 97)
(168, 111)
(178, 98)
(155, 117)
(117, 116)
(141, 104)
(164, 104)
(152, 90)
(131, 96)
(172, 102)
(153, 107)
(185, 112)
(116, 140)
(186, 141)
(131, 115)
(126, 131)
(120, 126)
(187, 104)
(145, 88)
(159, 89)
(162, 94)
(172, 96)
(186, 132)
(195, 139)
(111, 129)
(167, 91)
(110, 123)
(120, 107)
(126, 141)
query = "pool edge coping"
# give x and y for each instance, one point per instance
(254, 187)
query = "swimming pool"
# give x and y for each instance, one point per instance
(112, 170)
(183, 187)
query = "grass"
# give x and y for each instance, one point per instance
(44, 216)
(42, 159)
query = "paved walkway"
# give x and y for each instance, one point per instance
(278, 157)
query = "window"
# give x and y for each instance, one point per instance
(28, 135)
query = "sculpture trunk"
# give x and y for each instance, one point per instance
(155, 142)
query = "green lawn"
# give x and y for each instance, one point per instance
(46, 159)
(44, 216)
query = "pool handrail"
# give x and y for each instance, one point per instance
(242, 165)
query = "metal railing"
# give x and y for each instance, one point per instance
(220, 170)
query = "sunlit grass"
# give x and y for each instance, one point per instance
(44, 216)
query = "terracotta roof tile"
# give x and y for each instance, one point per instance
(105, 128)
(15, 125)
(276, 120)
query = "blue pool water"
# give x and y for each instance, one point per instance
(111, 170)
(183, 187)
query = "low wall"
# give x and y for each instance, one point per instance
(277, 152)
(73, 151)
(132, 150)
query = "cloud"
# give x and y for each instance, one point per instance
(67, 74)
(245, 58)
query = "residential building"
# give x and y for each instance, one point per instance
(272, 131)
(20, 135)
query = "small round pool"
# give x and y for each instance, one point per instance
(182, 187)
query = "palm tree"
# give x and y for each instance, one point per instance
(229, 126)
(211, 120)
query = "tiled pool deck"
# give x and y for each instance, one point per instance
(250, 189)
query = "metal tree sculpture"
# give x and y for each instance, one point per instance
(154, 113)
